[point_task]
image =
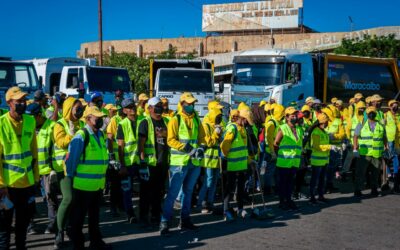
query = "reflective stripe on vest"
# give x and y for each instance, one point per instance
(371, 143)
(318, 157)
(44, 141)
(90, 174)
(333, 128)
(131, 154)
(17, 156)
(180, 158)
(290, 148)
(149, 147)
(238, 154)
(211, 154)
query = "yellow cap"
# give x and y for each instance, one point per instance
(243, 106)
(15, 93)
(234, 112)
(143, 97)
(376, 98)
(93, 110)
(360, 104)
(188, 98)
(334, 100)
(351, 100)
(279, 112)
(110, 107)
(84, 103)
(267, 107)
(306, 108)
(371, 109)
(392, 102)
(322, 118)
(368, 99)
(309, 99)
(329, 113)
(290, 111)
(164, 100)
(214, 104)
(262, 103)
(339, 102)
(244, 113)
(358, 96)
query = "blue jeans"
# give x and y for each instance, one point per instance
(269, 176)
(185, 177)
(395, 160)
(208, 187)
(127, 191)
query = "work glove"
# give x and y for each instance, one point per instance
(199, 154)
(53, 177)
(71, 127)
(144, 172)
(218, 129)
(356, 154)
(189, 150)
(344, 146)
(273, 156)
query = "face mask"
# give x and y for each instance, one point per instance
(78, 113)
(20, 108)
(99, 104)
(360, 112)
(306, 114)
(218, 119)
(294, 120)
(158, 110)
(189, 109)
(99, 123)
(372, 115)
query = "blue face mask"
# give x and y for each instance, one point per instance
(189, 109)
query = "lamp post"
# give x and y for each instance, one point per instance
(100, 34)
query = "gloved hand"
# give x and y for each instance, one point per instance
(144, 172)
(53, 177)
(71, 127)
(356, 154)
(199, 155)
(189, 149)
(344, 146)
(218, 129)
(273, 156)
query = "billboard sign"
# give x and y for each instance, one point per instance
(272, 14)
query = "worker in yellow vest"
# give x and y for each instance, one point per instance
(143, 99)
(234, 164)
(392, 121)
(49, 176)
(64, 131)
(18, 169)
(127, 138)
(213, 134)
(288, 143)
(86, 164)
(154, 162)
(369, 143)
(352, 105)
(185, 138)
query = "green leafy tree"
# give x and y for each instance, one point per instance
(371, 46)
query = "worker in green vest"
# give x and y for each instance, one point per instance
(49, 177)
(127, 138)
(369, 143)
(154, 157)
(86, 164)
(185, 138)
(18, 169)
(288, 143)
(235, 160)
(392, 121)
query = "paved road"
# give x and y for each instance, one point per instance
(345, 223)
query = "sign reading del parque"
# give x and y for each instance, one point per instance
(252, 15)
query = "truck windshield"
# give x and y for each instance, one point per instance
(15, 74)
(108, 79)
(258, 74)
(185, 80)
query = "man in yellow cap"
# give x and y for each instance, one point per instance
(143, 99)
(18, 169)
(87, 163)
(392, 121)
(376, 101)
(369, 143)
(111, 112)
(185, 137)
(357, 97)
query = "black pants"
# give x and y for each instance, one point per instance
(300, 174)
(151, 192)
(114, 179)
(318, 175)
(24, 207)
(234, 181)
(85, 202)
(286, 179)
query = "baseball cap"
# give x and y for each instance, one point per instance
(143, 97)
(127, 102)
(15, 93)
(317, 101)
(371, 109)
(110, 107)
(322, 118)
(95, 94)
(290, 111)
(164, 100)
(187, 97)
(154, 101)
(392, 102)
(358, 96)
(310, 99)
(334, 100)
(339, 102)
(33, 109)
(214, 104)
(245, 113)
(39, 95)
(262, 103)
(305, 108)
(93, 110)
(376, 97)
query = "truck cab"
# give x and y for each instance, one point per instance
(81, 81)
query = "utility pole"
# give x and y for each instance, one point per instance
(100, 34)
(351, 24)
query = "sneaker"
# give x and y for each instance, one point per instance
(313, 201)
(323, 200)
(242, 213)
(357, 194)
(206, 210)
(187, 225)
(32, 231)
(177, 204)
(49, 230)
(164, 228)
(228, 217)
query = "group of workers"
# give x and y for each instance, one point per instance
(80, 150)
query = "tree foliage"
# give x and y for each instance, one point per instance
(371, 46)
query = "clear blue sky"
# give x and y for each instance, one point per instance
(49, 28)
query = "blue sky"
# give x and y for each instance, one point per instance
(49, 28)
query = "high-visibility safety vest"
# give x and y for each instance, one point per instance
(391, 126)
(118, 120)
(131, 153)
(333, 128)
(150, 155)
(354, 124)
(238, 153)
(290, 148)
(179, 158)
(61, 153)
(45, 148)
(17, 156)
(320, 158)
(371, 143)
(276, 125)
(90, 174)
(211, 154)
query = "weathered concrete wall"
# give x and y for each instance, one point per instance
(223, 44)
